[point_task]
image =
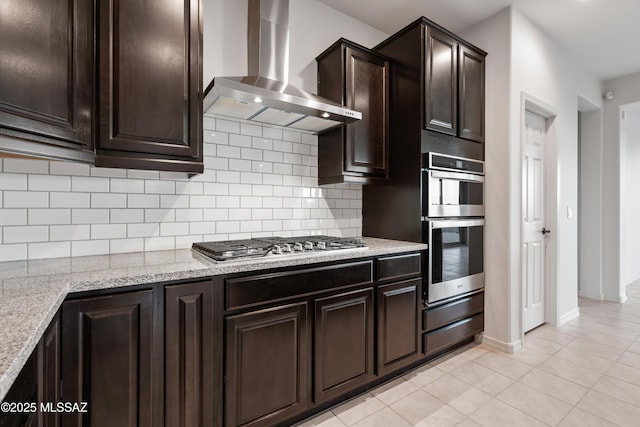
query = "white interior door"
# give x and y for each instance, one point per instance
(534, 137)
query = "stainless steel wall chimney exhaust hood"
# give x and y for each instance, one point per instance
(265, 95)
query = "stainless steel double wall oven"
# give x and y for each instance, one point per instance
(453, 224)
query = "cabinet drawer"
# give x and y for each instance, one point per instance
(264, 288)
(438, 317)
(400, 266)
(443, 338)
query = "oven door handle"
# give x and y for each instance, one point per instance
(467, 177)
(456, 223)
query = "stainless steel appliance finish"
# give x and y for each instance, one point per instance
(455, 257)
(277, 246)
(264, 95)
(452, 187)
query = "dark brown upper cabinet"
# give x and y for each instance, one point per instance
(358, 78)
(453, 86)
(125, 92)
(46, 78)
(441, 82)
(471, 93)
(150, 84)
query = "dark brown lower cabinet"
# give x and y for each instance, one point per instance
(343, 344)
(267, 365)
(49, 365)
(398, 328)
(108, 360)
(190, 355)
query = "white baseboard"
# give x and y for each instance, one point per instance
(568, 317)
(502, 346)
(591, 295)
(615, 298)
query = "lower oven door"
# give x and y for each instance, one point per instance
(456, 257)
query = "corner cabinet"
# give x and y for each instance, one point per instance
(47, 78)
(150, 84)
(358, 78)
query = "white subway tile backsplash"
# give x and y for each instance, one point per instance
(59, 233)
(160, 187)
(159, 215)
(258, 181)
(127, 185)
(49, 183)
(108, 231)
(49, 250)
(49, 216)
(159, 243)
(89, 247)
(26, 166)
(143, 201)
(13, 252)
(108, 172)
(108, 200)
(126, 216)
(13, 217)
(227, 126)
(13, 181)
(68, 168)
(143, 230)
(26, 199)
(70, 200)
(143, 174)
(89, 216)
(25, 234)
(119, 246)
(89, 184)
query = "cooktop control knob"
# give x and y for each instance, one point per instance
(276, 249)
(286, 247)
(298, 246)
(322, 245)
(308, 246)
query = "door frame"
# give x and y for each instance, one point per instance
(549, 113)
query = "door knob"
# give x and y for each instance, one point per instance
(545, 231)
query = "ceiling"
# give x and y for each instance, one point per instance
(601, 35)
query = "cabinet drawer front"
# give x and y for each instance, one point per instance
(397, 267)
(445, 314)
(441, 339)
(264, 288)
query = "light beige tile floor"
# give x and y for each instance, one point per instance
(585, 373)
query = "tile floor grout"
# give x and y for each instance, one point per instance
(584, 373)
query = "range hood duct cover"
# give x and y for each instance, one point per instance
(264, 96)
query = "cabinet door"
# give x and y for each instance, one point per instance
(49, 361)
(343, 343)
(150, 84)
(471, 102)
(398, 327)
(367, 90)
(107, 345)
(267, 374)
(46, 71)
(190, 355)
(441, 82)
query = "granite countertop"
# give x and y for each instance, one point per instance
(32, 291)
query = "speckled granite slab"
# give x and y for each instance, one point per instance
(32, 291)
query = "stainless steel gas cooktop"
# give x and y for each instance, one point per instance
(237, 249)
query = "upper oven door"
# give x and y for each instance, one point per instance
(451, 194)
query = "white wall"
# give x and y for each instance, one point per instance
(629, 194)
(494, 36)
(627, 91)
(537, 66)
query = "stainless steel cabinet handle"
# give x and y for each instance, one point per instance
(545, 231)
